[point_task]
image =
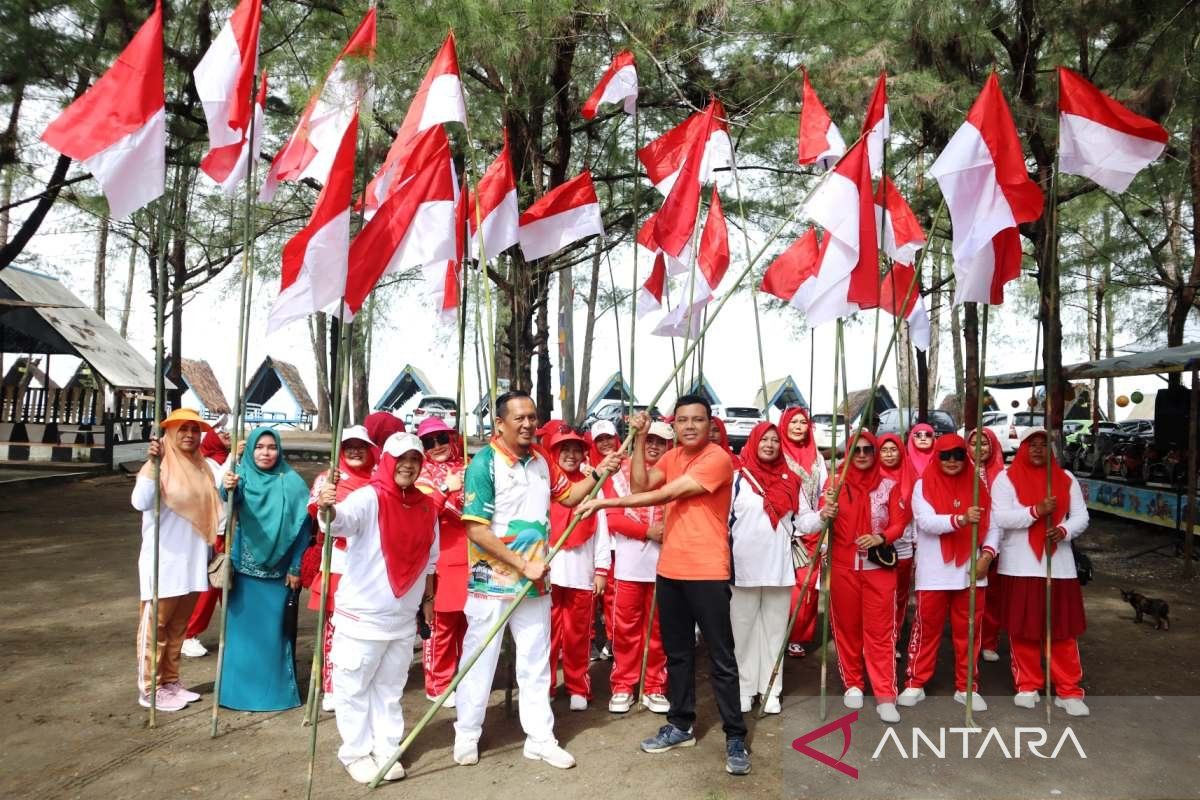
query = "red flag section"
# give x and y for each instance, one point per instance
(792, 267)
(619, 82)
(819, 141)
(229, 164)
(902, 233)
(676, 220)
(225, 77)
(664, 157)
(650, 296)
(877, 124)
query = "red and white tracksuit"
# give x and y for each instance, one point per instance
(632, 594)
(943, 589)
(440, 653)
(862, 595)
(572, 608)
(1022, 577)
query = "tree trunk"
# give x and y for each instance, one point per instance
(566, 346)
(100, 267)
(6, 188)
(358, 365)
(545, 375)
(317, 330)
(956, 335)
(585, 372)
(970, 397)
(130, 274)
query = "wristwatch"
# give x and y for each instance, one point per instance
(444, 488)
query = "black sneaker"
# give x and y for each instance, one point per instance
(737, 757)
(668, 738)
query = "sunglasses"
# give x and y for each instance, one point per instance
(923, 434)
(435, 439)
(864, 449)
(957, 454)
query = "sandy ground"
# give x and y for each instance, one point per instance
(73, 727)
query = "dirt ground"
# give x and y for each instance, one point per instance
(73, 728)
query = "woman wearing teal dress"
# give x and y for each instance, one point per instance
(258, 671)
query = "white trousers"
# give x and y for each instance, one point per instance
(530, 626)
(759, 616)
(368, 679)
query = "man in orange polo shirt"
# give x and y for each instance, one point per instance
(694, 482)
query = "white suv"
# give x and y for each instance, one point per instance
(739, 421)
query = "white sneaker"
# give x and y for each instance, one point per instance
(620, 702)
(328, 703)
(888, 713)
(362, 770)
(579, 702)
(911, 696)
(977, 701)
(395, 771)
(466, 752)
(193, 649)
(1027, 699)
(549, 752)
(853, 698)
(182, 692)
(990, 655)
(656, 703)
(1074, 706)
(164, 700)
(771, 705)
(747, 704)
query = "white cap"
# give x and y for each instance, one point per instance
(662, 430)
(400, 443)
(358, 433)
(1033, 432)
(603, 427)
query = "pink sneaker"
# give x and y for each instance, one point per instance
(165, 700)
(179, 690)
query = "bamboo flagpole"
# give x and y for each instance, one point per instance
(823, 599)
(762, 368)
(633, 297)
(972, 578)
(524, 587)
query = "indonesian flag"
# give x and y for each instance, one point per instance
(497, 200)
(561, 216)
(902, 233)
(877, 125)
(900, 296)
(713, 263)
(983, 178)
(820, 141)
(228, 165)
(415, 226)
(792, 268)
(675, 221)
(225, 84)
(117, 128)
(313, 277)
(311, 150)
(664, 157)
(1101, 139)
(439, 99)
(646, 238)
(619, 82)
(650, 296)
(445, 279)
(848, 275)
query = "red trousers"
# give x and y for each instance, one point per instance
(863, 616)
(1029, 673)
(904, 575)
(631, 608)
(806, 621)
(991, 612)
(571, 629)
(442, 650)
(202, 613)
(926, 636)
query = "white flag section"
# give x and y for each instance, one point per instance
(674, 266)
(664, 157)
(562, 216)
(497, 199)
(229, 164)
(711, 265)
(687, 316)
(650, 295)
(618, 83)
(225, 76)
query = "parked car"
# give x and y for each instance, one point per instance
(615, 412)
(739, 421)
(822, 429)
(889, 421)
(432, 406)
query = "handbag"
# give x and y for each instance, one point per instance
(884, 555)
(1083, 567)
(291, 614)
(218, 576)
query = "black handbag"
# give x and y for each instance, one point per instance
(1083, 567)
(884, 555)
(291, 615)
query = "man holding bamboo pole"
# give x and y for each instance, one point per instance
(509, 486)
(695, 482)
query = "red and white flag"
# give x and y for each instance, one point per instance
(313, 274)
(118, 127)
(445, 280)
(900, 296)
(819, 142)
(1101, 139)
(229, 164)
(562, 216)
(848, 276)
(225, 84)
(439, 99)
(650, 296)
(498, 210)
(415, 226)
(664, 157)
(711, 266)
(988, 191)
(877, 125)
(313, 145)
(792, 268)
(902, 233)
(676, 220)
(646, 238)
(619, 82)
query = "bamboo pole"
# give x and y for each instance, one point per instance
(160, 281)
(641, 690)
(828, 561)
(524, 587)
(1051, 299)
(481, 255)
(762, 368)
(971, 577)
(633, 297)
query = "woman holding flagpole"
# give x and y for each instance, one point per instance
(991, 464)
(808, 465)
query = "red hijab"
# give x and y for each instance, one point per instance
(804, 454)
(560, 515)
(854, 502)
(1029, 482)
(212, 447)
(778, 485)
(954, 495)
(349, 479)
(915, 461)
(406, 522)
(380, 426)
(896, 473)
(994, 464)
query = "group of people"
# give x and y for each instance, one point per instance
(684, 540)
